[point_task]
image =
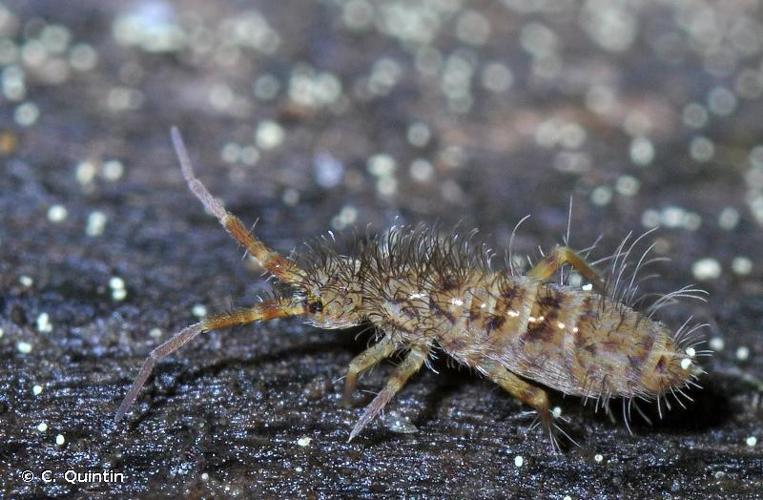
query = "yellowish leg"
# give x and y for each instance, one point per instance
(279, 266)
(527, 393)
(362, 362)
(404, 371)
(560, 256)
(260, 312)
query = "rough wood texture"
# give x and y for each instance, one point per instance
(255, 411)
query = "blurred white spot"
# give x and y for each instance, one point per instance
(741, 266)
(249, 155)
(112, 170)
(115, 283)
(609, 23)
(149, 25)
(706, 269)
(85, 172)
(641, 151)
(43, 323)
(694, 115)
(728, 218)
(199, 310)
(519, 461)
(472, 28)
(327, 170)
(650, 218)
(37, 390)
(304, 441)
(537, 39)
(497, 77)
(601, 195)
(290, 196)
(42, 427)
(419, 134)
(386, 186)
(357, 14)
(266, 87)
(26, 114)
(231, 152)
(743, 353)
(221, 96)
(123, 98)
(421, 170)
(701, 149)
(600, 99)
(13, 83)
(346, 217)
(60, 440)
(96, 221)
(721, 101)
(627, 185)
(83, 57)
(717, 344)
(381, 165)
(749, 84)
(57, 213)
(269, 134)
(385, 74)
(24, 347)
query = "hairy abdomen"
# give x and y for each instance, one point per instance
(569, 339)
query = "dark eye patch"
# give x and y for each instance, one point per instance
(315, 307)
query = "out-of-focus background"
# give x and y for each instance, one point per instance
(331, 115)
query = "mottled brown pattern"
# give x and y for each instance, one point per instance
(493, 322)
(423, 291)
(439, 309)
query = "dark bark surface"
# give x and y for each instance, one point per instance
(643, 113)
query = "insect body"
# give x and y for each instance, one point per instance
(425, 294)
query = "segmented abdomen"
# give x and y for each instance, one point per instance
(569, 339)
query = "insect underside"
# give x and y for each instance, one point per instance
(426, 294)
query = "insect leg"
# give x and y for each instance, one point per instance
(260, 312)
(544, 269)
(279, 266)
(527, 393)
(362, 362)
(405, 370)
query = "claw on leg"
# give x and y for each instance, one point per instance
(264, 311)
(362, 362)
(527, 393)
(176, 342)
(405, 370)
